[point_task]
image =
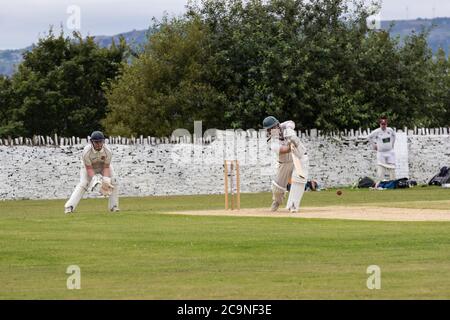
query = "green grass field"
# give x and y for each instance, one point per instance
(142, 253)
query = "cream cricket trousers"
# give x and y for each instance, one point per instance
(284, 172)
(83, 185)
(386, 165)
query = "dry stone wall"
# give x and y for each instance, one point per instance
(48, 168)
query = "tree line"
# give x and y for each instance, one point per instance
(230, 63)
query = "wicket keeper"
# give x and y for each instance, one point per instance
(96, 161)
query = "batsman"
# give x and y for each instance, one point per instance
(293, 162)
(96, 170)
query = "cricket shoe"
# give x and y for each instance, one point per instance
(114, 209)
(68, 210)
(274, 206)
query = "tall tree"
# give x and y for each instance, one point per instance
(438, 110)
(233, 62)
(8, 125)
(59, 87)
(166, 87)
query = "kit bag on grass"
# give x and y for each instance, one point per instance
(443, 177)
(366, 182)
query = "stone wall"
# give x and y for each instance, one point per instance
(51, 171)
(427, 154)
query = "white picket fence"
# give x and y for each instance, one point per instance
(64, 141)
(38, 140)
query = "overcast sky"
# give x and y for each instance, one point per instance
(23, 21)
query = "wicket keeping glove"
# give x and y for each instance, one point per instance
(96, 181)
(107, 187)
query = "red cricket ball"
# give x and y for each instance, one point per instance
(339, 192)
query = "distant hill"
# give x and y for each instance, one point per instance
(136, 39)
(9, 59)
(439, 37)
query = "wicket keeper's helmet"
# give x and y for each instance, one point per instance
(270, 122)
(97, 136)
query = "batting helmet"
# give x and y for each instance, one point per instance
(270, 122)
(97, 136)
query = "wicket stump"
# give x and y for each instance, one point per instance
(232, 184)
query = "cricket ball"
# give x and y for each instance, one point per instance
(339, 192)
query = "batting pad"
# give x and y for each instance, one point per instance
(295, 196)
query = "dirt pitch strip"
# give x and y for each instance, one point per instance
(335, 212)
